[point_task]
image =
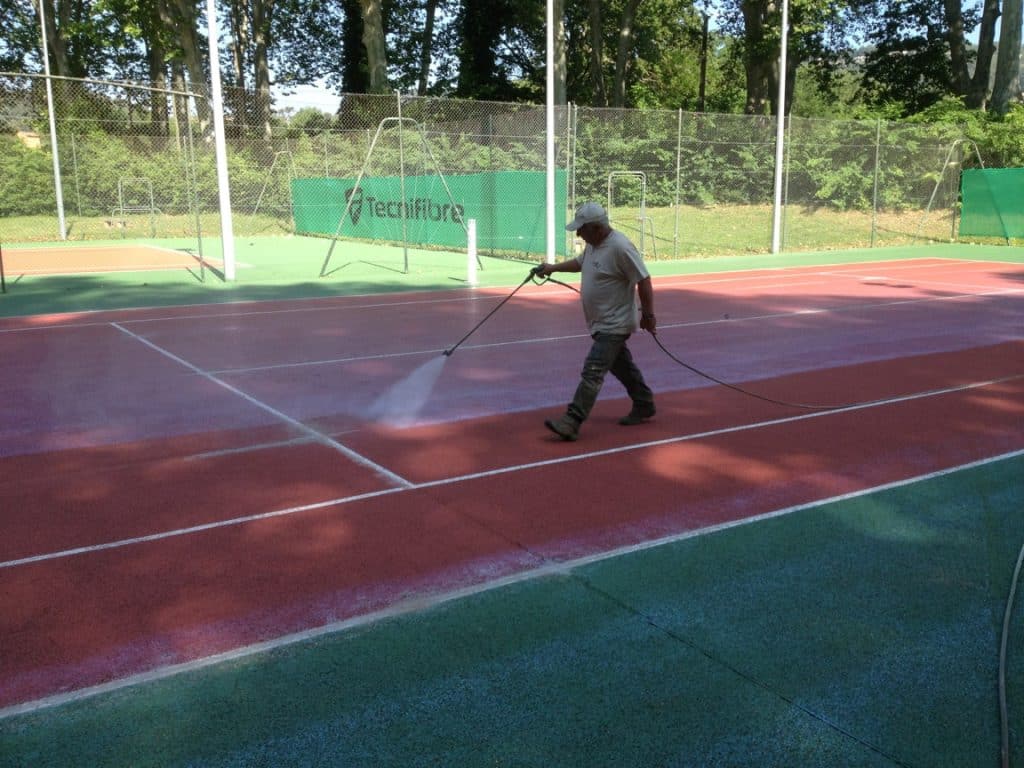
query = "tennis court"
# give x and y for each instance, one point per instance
(217, 552)
(118, 257)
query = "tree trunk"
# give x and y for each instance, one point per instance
(426, 52)
(597, 55)
(977, 91)
(622, 53)
(181, 112)
(957, 46)
(181, 16)
(262, 14)
(373, 41)
(558, 12)
(353, 60)
(240, 25)
(758, 60)
(159, 114)
(55, 43)
(1007, 83)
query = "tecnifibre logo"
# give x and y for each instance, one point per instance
(421, 208)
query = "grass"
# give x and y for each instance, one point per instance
(738, 229)
(668, 233)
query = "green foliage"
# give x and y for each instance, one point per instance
(1000, 139)
(721, 159)
(310, 121)
(26, 179)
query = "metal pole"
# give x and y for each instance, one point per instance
(874, 193)
(57, 184)
(401, 183)
(549, 132)
(217, 106)
(780, 131)
(679, 172)
(703, 62)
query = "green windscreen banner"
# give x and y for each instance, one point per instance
(508, 207)
(993, 202)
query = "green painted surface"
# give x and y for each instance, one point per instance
(508, 207)
(859, 633)
(271, 268)
(993, 202)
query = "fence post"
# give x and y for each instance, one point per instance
(471, 252)
(874, 194)
(679, 170)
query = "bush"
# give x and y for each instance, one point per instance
(26, 179)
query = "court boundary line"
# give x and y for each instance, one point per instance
(737, 275)
(341, 501)
(415, 605)
(319, 437)
(662, 326)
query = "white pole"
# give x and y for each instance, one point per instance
(227, 233)
(549, 194)
(780, 131)
(471, 252)
(57, 184)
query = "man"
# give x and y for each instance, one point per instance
(614, 278)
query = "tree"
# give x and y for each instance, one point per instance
(19, 44)
(182, 16)
(611, 46)
(1007, 82)
(814, 39)
(376, 48)
(974, 88)
(919, 52)
(596, 60)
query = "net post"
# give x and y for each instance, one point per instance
(3, 280)
(471, 252)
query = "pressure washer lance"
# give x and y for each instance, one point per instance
(533, 274)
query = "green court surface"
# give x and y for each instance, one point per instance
(861, 632)
(271, 268)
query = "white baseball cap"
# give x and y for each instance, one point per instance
(588, 213)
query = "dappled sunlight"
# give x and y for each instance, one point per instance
(879, 518)
(270, 414)
(1001, 398)
(693, 461)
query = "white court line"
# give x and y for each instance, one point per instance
(227, 315)
(498, 471)
(423, 604)
(662, 326)
(823, 270)
(672, 280)
(318, 436)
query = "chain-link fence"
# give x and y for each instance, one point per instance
(132, 163)
(138, 162)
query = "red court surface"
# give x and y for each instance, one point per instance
(61, 260)
(184, 482)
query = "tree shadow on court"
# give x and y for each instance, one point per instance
(762, 644)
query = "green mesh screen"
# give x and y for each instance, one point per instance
(507, 205)
(993, 202)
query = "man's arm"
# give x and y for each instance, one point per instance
(569, 265)
(645, 289)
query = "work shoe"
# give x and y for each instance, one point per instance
(565, 427)
(638, 415)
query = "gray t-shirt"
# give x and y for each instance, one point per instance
(610, 273)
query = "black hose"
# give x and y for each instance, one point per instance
(734, 387)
